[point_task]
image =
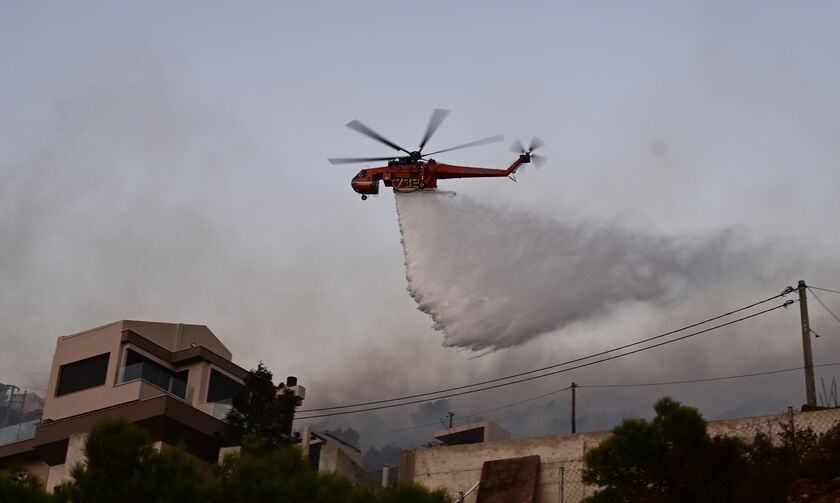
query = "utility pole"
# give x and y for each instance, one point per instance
(810, 387)
(574, 428)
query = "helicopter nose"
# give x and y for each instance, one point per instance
(365, 185)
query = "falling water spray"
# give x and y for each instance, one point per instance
(491, 277)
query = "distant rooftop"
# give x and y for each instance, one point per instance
(474, 433)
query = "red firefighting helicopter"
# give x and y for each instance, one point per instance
(413, 172)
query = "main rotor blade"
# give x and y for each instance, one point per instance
(492, 139)
(535, 144)
(351, 160)
(437, 117)
(358, 126)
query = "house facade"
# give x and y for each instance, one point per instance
(176, 380)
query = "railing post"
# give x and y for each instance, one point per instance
(386, 475)
(562, 488)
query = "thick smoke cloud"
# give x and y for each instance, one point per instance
(492, 277)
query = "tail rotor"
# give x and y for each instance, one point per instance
(537, 160)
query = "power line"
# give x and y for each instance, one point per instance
(520, 374)
(823, 289)
(660, 383)
(707, 379)
(823, 305)
(415, 427)
(514, 404)
(438, 397)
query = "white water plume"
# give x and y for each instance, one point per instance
(492, 277)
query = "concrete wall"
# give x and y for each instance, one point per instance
(75, 455)
(457, 468)
(39, 468)
(820, 421)
(334, 459)
(493, 431)
(108, 338)
(55, 476)
(77, 347)
(177, 336)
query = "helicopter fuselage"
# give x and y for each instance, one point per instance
(408, 175)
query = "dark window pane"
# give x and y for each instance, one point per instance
(133, 357)
(82, 374)
(221, 387)
(179, 383)
(138, 366)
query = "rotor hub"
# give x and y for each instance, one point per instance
(416, 156)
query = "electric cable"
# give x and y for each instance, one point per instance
(823, 305)
(479, 413)
(520, 374)
(407, 428)
(824, 289)
(531, 378)
(660, 383)
(514, 404)
(707, 379)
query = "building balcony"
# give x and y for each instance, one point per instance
(220, 409)
(157, 377)
(17, 432)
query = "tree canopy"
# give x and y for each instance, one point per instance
(123, 465)
(17, 485)
(673, 459)
(670, 458)
(262, 412)
(283, 475)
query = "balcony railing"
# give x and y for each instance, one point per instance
(221, 408)
(17, 432)
(157, 377)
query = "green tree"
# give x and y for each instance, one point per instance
(20, 486)
(262, 412)
(259, 474)
(824, 460)
(122, 465)
(669, 459)
(283, 475)
(774, 469)
(413, 493)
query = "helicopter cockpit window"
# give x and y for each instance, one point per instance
(360, 174)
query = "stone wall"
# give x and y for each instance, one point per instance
(457, 468)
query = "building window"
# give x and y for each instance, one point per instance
(138, 366)
(221, 387)
(83, 374)
(220, 393)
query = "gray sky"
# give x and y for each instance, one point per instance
(167, 162)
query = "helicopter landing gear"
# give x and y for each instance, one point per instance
(364, 197)
(421, 185)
